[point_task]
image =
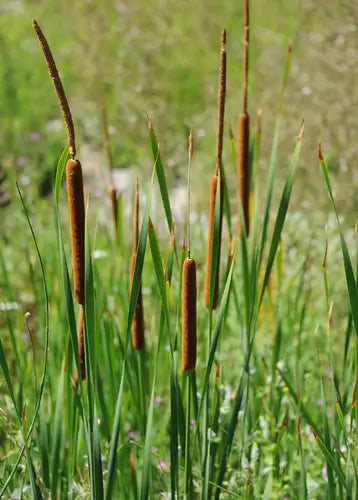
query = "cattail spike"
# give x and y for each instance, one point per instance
(138, 341)
(243, 167)
(320, 156)
(221, 102)
(59, 90)
(189, 315)
(114, 205)
(76, 207)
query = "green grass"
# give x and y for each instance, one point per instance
(270, 410)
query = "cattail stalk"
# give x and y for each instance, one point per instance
(81, 345)
(189, 291)
(76, 209)
(243, 131)
(218, 177)
(59, 90)
(138, 318)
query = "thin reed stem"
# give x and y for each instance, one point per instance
(59, 90)
(245, 62)
(191, 147)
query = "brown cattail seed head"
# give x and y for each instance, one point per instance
(138, 320)
(243, 166)
(76, 207)
(114, 205)
(213, 187)
(189, 315)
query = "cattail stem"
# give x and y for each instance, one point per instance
(243, 167)
(189, 314)
(76, 209)
(81, 345)
(59, 90)
(191, 146)
(245, 62)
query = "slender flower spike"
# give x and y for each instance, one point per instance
(59, 90)
(218, 177)
(244, 132)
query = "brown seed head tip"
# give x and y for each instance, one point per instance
(301, 130)
(150, 125)
(172, 240)
(150, 223)
(191, 144)
(223, 38)
(320, 156)
(217, 374)
(289, 50)
(231, 135)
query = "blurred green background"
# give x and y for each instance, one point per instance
(161, 58)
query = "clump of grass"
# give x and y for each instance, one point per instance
(217, 180)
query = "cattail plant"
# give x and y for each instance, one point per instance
(75, 195)
(189, 292)
(138, 319)
(244, 132)
(217, 178)
(112, 191)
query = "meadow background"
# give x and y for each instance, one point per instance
(161, 58)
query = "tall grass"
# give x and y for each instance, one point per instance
(249, 394)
